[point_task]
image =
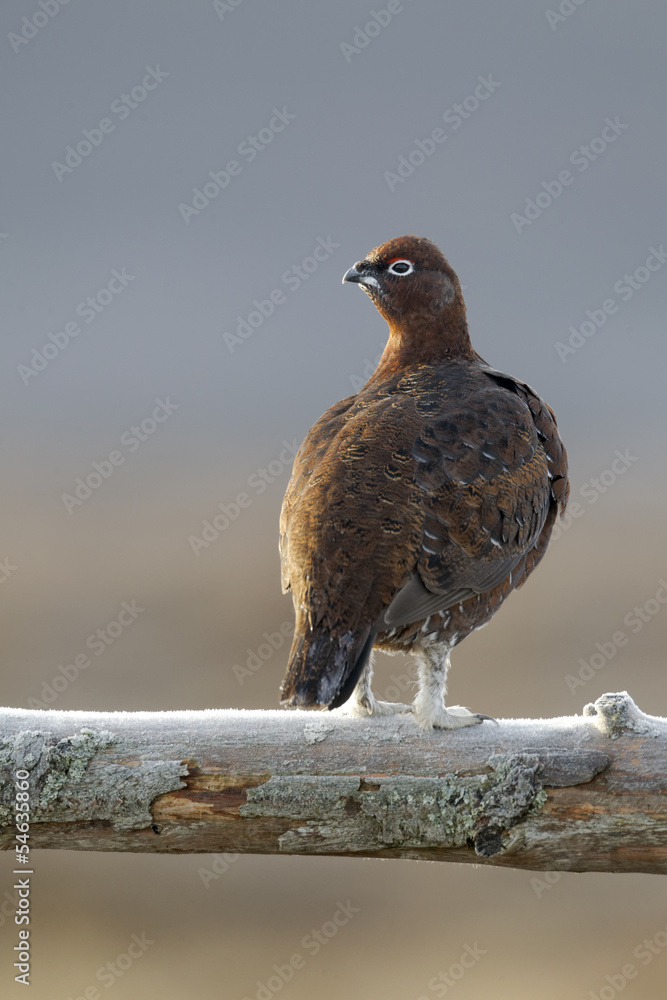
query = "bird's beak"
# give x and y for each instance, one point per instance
(359, 277)
(352, 275)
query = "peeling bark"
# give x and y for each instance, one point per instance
(585, 793)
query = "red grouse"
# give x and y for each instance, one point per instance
(416, 506)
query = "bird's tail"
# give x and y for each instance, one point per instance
(324, 667)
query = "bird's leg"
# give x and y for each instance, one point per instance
(428, 707)
(363, 702)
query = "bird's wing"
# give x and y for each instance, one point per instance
(489, 465)
(305, 462)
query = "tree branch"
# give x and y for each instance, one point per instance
(585, 793)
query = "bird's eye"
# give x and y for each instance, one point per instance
(401, 267)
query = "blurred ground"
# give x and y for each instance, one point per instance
(218, 931)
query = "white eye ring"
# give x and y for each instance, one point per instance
(406, 267)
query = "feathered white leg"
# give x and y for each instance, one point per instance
(363, 702)
(428, 708)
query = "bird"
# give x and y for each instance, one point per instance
(417, 505)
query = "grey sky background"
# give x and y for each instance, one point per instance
(322, 176)
(321, 181)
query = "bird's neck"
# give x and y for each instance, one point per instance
(425, 340)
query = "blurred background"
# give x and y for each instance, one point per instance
(184, 186)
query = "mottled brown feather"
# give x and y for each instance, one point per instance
(416, 506)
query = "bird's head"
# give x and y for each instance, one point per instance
(410, 281)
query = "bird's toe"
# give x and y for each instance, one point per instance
(364, 708)
(439, 717)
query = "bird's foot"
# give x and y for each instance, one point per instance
(431, 716)
(366, 707)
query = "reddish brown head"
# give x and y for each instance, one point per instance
(419, 295)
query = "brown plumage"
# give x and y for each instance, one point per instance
(416, 506)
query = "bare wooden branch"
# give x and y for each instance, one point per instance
(585, 793)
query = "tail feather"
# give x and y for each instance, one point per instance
(324, 668)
